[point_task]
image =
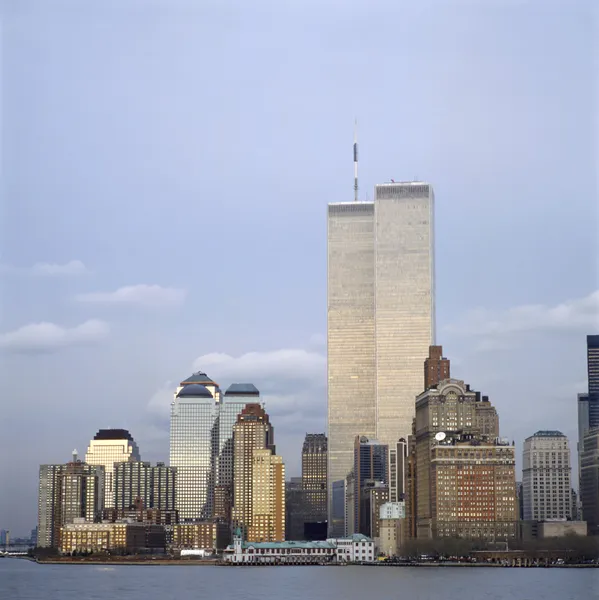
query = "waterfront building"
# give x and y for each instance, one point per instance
(210, 536)
(67, 492)
(546, 487)
(380, 320)
(588, 403)
(193, 444)
(138, 481)
(139, 514)
(589, 480)
(268, 497)
(357, 548)
(120, 538)
(252, 431)
(295, 509)
(108, 447)
(373, 495)
(465, 481)
(391, 529)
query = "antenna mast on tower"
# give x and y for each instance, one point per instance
(356, 160)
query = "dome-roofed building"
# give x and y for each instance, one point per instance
(198, 377)
(194, 390)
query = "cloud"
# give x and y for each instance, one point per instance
(70, 269)
(150, 296)
(578, 315)
(48, 337)
(73, 267)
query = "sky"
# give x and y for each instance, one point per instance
(165, 172)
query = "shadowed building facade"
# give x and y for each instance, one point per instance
(380, 318)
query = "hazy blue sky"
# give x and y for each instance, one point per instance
(166, 167)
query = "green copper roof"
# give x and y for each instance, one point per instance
(280, 545)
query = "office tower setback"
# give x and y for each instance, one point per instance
(252, 431)
(546, 477)
(380, 316)
(436, 367)
(136, 482)
(268, 497)
(464, 481)
(108, 447)
(193, 442)
(589, 480)
(67, 492)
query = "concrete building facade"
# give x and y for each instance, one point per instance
(546, 486)
(108, 447)
(153, 486)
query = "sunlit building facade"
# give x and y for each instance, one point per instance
(153, 486)
(380, 316)
(108, 447)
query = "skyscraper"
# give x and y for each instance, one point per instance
(588, 404)
(589, 480)
(108, 447)
(153, 485)
(436, 367)
(252, 431)
(193, 443)
(268, 497)
(546, 477)
(70, 491)
(465, 483)
(380, 315)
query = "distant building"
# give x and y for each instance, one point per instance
(520, 497)
(464, 477)
(398, 469)
(193, 441)
(546, 483)
(108, 447)
(374, 494)
(370, 465)
(314, 477)
(436, 367)
(295, 509)
(210, 536)
(588, 403)
(122, 538)
(380, 320)
(252, 431)
(4, 537)
(136, 481)
(589, 480)
(392, 531)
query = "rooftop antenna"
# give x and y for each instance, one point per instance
(75, 456)
(356, 160)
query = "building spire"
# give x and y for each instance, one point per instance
(356, 160)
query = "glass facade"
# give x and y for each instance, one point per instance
(155, 486)
(193, 441)
(380, 316)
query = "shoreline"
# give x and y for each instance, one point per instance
(217, 563)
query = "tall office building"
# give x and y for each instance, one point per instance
(546, 477)
(463, 481)
(380, 316)
(153, 486)
(589, 480)
(252, 431)
(370, 468)
(235, 399)
(67, 492)
(108, 447)
(314, 479)
(193, 443)
(268, 497)
(588, 403)
(398, 470)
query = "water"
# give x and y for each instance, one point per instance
(23, 580)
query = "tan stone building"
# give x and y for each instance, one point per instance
(123, 538)
(210, 535)
(465, 481)
(268, 498)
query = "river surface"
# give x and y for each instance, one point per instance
(23, 580)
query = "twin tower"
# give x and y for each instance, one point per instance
(381, 316)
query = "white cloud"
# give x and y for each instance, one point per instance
(580, 314)
(49, 337)
(73, 267)
(151, 296)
